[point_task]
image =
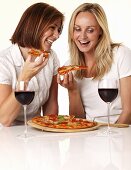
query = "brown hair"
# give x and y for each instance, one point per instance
(33, 23)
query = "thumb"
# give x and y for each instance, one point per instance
(29, 58)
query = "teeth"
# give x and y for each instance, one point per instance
(84, 42)
(50, 41)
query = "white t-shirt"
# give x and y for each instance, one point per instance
(93, 104)
(11, 62)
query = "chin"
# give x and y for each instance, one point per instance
(84, 50)
(46, 49)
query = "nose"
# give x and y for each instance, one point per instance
(83, 34)
(56, 34)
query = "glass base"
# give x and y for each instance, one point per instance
(108, 132)
(1, 126)
(25, 136)
(110, 166)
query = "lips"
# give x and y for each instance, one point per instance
(84, 42)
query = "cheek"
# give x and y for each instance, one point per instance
(43, 38)
(95, 37)
(75, 35)
(75, 39)
(46, 34)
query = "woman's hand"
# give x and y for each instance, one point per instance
(68, 81)
(32, 67)
(75, 103)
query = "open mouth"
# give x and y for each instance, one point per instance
(84, 43)
(49, 41)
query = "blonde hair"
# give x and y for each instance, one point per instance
(103, 51)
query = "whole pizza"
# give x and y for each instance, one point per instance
(63, 122)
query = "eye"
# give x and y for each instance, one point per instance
(60, 30)
(90, 30)
(77, 29)
(52, 27)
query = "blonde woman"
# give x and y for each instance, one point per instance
(90, 45)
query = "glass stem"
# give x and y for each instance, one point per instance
(25, 121)
(108, 115)
(41, 111)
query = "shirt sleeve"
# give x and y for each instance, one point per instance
(124, 62)
(5, 75)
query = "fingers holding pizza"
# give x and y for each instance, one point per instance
(35, 62)
(67, 81)
(41, 56)
(65, 76)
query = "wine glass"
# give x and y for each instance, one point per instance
(25, 95)
(108, 91)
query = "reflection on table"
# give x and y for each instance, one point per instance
(64, 151)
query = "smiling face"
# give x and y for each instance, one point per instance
(51, 34)
(86, 32)
(39, 26)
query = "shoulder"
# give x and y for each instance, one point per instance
(9, 52)
(53, 54)
(5, 55)
(53, 57)
(122, 53)
(4, 52)
(122, 60)
(122, 50)
(11, 55)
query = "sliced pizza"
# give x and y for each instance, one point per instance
(36, 53)
(65, 69)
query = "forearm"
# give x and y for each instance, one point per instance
(125, 92)
(50, 108)
(9, 110)
(125, 117)
(75, 104)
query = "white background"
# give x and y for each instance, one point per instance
(118, 15)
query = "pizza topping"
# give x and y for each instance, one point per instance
(36, 53)
(65, 69)
(62, 122)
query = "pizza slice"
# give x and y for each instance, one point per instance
(65, 69)
(36, 53)
(57, 119)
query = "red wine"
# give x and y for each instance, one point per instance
(24, 97)
(108, 95)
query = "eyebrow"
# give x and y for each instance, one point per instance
(55, 24)
(87, 26)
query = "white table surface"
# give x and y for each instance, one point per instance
(64, 151)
